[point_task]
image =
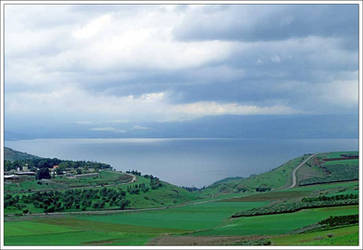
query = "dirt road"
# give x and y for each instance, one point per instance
(297, 168)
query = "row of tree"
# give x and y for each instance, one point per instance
(137, 188)
(333, 221)
(330, 198)
(74, 199)
(289, 207)
(134, 172)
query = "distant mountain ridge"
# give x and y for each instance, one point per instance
(234, 126)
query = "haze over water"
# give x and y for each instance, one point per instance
(184, 161)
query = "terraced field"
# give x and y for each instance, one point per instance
(330, 167)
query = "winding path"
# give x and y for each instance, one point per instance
(297, 168)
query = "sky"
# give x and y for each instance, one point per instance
(113, 69)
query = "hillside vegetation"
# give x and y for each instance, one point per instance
(13, 155)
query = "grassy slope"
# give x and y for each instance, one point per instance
(166, 195)
(280, 177)
(345, 236)
(13, 155)
(329, 171)
(277, 178)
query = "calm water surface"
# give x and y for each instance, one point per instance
(188, 162)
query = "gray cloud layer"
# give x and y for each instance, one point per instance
(162, 63)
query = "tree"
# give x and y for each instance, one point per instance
(59, 171)
(123, 203)
(42, 173)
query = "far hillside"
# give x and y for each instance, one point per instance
(13, 155)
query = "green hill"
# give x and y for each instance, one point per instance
(329, 167)
(13, 155)
(323, 168)
(80, 186)
(277, 178)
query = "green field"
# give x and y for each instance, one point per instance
(346, 236)
(136, 226)
(279, 223)
(81, 237)
(207, 219)
(191, 217)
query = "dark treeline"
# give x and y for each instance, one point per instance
(333, 221)
(192, 189)
(330, 198)
(289, 207)
(134, 172)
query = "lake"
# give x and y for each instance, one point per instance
(184, 161)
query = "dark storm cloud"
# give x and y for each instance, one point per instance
(270, 22)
